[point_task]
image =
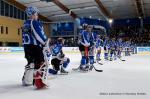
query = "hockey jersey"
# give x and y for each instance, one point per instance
(106, 43)
(85, 38)
(99, 43)
(112, 44)
(93, 37)
(33, 33)
(57, 51)
(119, 44)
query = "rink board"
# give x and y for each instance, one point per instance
(70, 50)
(143, 50)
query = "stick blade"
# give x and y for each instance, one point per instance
(99, 70)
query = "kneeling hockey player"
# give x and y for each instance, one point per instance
(59, 61)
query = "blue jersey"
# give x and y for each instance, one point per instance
(127, 44)
(119, 44)
(124, 44)
(112, 44)
(32, 33)
(93, 38)
(85, 38)
(106, 43)
(99, 43)
(57, 48)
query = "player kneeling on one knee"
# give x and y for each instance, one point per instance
(59, 61)
(34, 41)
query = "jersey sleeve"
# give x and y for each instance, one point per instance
(85, 39)
(38, 32)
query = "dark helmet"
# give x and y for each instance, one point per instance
(60, 40)
(84, 26)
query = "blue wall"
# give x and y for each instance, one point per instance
(66, 26)
(147, 20)
(69, 26)
(127, 22)
(131, 21)
(120, 22)
(63, 29)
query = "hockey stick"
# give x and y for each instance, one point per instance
(98, 70)
(120, 56)
(76, 69)
(45, 51)
(122, 59)
(86, 51)
(99, 63)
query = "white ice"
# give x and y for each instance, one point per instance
(131, 76)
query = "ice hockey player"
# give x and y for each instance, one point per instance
(59, 61)
(127, 48)
(86, 46)
(93, 38)
(106, 47)
(133, 48)
(84, 43)
(81, 47)
(119, 43)
(34, 40)
(99, 45)
(112, 49)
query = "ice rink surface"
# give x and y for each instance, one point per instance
(120, 80)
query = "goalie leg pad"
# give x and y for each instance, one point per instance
(40, 76)
(38, 82)
(28, 75)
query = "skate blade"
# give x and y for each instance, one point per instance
(63, 74)
(80, 71)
